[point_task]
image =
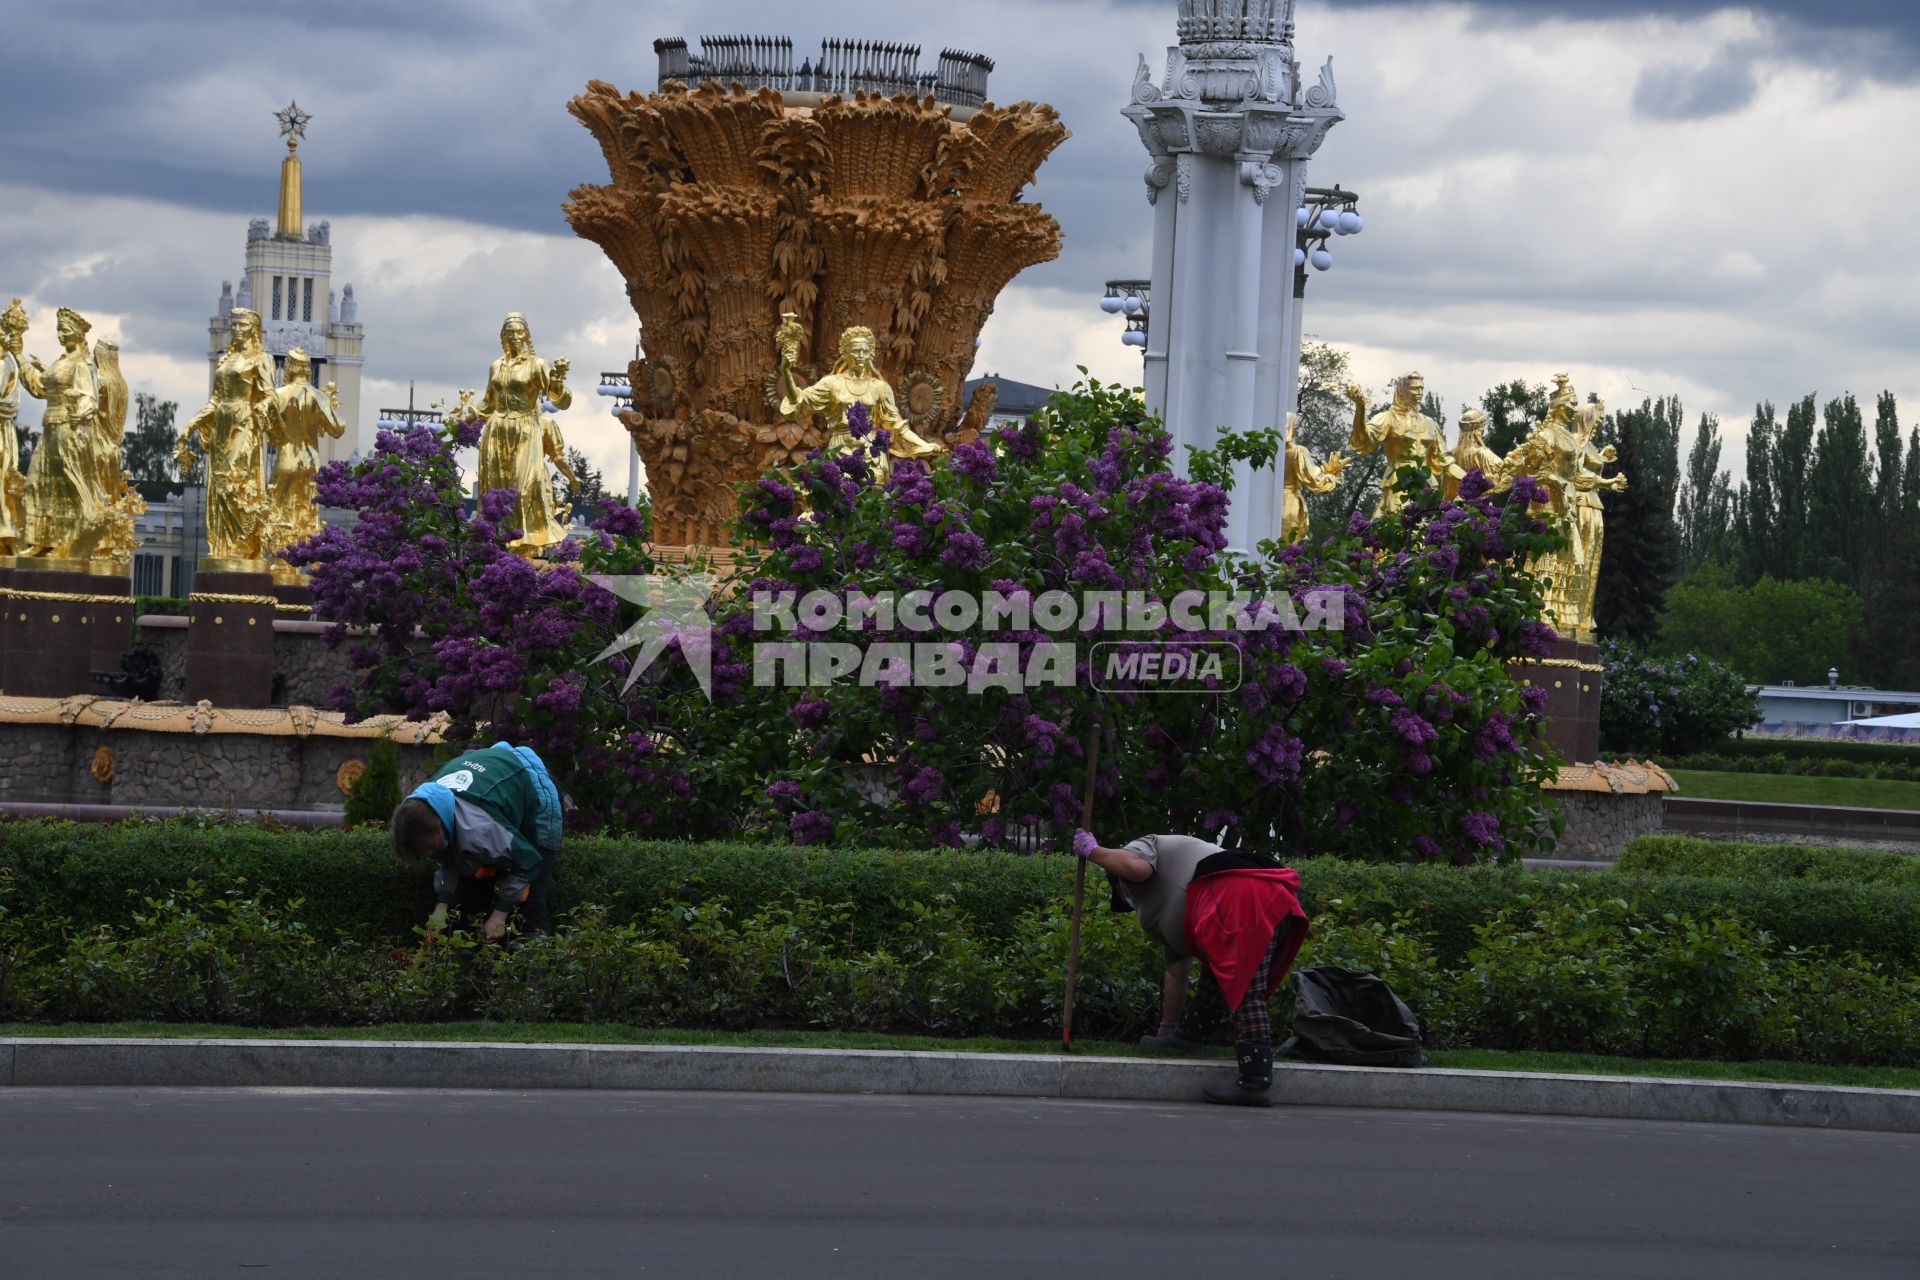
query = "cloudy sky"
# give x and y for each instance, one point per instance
(1664, 198)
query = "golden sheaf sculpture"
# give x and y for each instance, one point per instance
(728, 209)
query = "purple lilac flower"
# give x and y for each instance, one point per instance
(1276, 757)
(1483, 829)
(1529, 489)
(812, 712)
(973, 460)
(810, 827)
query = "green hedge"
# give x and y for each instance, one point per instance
(1898, 753)
(1767, 861)
(1551, 970)
(1801, 766)
(350, 882)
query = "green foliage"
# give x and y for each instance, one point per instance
(1642, 546)
(164, 605)
(149, 448)
(1512, 408)
(1747, 860)
(1799, 752)
(1769, 632)
(376, 792)
(1778, 764)
(1604, 964)
(1651, 706)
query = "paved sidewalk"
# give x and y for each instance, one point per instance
(32, 1061)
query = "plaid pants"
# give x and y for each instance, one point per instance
(1252, 1024)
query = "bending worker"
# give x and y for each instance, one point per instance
(1239, 916)
(490, 815)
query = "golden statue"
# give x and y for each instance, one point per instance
(13, 485)
(233, 430)
(1302, 477)
(1559, 453)
(303, 416)
(64, 512)
(120, 502)
(853, 381)
(1472, 452)
(1588, 517)
(520, 439)
(1402, 433)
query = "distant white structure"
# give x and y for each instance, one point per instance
(1230, 129)
(289, 281)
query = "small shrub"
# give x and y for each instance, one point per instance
(376, 792)
(1669, 707)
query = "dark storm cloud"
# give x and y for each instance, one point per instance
(1677, 91)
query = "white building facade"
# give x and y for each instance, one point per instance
(1229, 131)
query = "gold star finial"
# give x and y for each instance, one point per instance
(293, 124)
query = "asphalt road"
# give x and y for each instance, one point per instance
(214, 1182)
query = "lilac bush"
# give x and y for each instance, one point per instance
(1399, 735)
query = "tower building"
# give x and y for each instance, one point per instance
(1228, 133)
(289, 281)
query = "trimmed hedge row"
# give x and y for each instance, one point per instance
(350, 882)
(1898, 753)
(1583, 973)
(1822, 766)
(1767, 861)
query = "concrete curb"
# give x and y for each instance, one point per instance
(32, 1061)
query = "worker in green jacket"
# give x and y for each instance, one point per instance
(490, 814)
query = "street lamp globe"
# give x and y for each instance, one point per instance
(1322, 260)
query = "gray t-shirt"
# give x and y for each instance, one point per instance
(1161, 899)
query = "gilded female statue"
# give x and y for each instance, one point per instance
(1301, 477)
(110, 423)
(232, 430)
(1588, 515)
(304, 417)
(1472, 453)
(13, 485)
(63, 503)
(519, 440)
(853, 381)
(1560, 455)
(1405, 435)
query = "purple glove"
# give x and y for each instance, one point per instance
(1084, 844)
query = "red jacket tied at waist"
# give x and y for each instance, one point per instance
(1231, 917)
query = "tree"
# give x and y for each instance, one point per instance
(1909, 489)
(1640, 556)
(1706, 501)
(1840, 496)
(1512, 409)
(1885, 520)
(1754, 505)
(1887, 652)
(27, 440)
(149, 448)
(1792, 476)
(1322, 427)
(590, 498)
(1769, 632)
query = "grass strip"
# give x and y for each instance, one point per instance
(604, 1033)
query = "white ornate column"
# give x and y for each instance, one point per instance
(1229, 132)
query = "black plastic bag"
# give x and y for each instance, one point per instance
(1342, 1016)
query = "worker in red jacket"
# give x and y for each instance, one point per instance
(1239, 916)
